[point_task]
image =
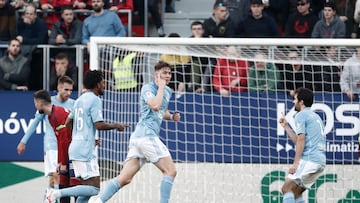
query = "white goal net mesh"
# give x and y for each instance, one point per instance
(228, 146)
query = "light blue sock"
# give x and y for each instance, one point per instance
(299, 200)
(165, 189)
(289, 197)
(110, 189)
(80, 190)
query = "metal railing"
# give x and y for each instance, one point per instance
(88, 12)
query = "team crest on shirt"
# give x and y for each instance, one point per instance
(149, 94)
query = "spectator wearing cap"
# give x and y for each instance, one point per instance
(258, 23)
(330, 26)
(301, 23)
(219, 24)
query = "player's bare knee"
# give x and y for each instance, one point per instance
(284, 189)
(172, 172)
(51, 181)
(124, 180)
(298, 191)
(56, 178)
(287, 187)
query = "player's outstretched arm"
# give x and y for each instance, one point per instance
(101, 125)
(31, 130)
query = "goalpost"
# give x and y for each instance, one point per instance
(230, 148)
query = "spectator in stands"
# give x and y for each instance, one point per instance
(68, 30)
(101, 23)
(262, 76)
(54, 7)
(219, 24)
(350, 76)
(153, 8)
(357, 17)
(230, 74)
(20, 4)
(279, 11)
(330, 26)
(156, 17)
(116, 5)
(327, 75)
(198, 64)
(63, 67)
(180, 65)
(31, 29)
(301, 23)
(295, 74)
(201, 68)
(238, 10)
(258, 23)
(82, 5)
(14, 68)
(345, 11)
(51, 8)
(7, 24)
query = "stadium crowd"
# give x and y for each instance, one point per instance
(70, 22)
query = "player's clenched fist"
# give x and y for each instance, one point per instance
(283, 122)
(121, 126)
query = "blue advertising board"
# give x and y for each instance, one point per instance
(239, 129)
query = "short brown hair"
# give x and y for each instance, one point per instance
(160, 65)
(65, 79)
(43, 95)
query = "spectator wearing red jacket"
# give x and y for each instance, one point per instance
(230, 74)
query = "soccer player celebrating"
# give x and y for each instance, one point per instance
(85, 119)
(62, 98)
(145, 143)
(310, 141)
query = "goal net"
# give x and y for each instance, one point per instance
(229, 146)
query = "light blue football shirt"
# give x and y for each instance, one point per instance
(310, 124)
(50, 142)
(87, 111)
(150, 120)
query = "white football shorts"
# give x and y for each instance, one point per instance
(147, 149)
(307, 173)
(50, 162)
(86, 169)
